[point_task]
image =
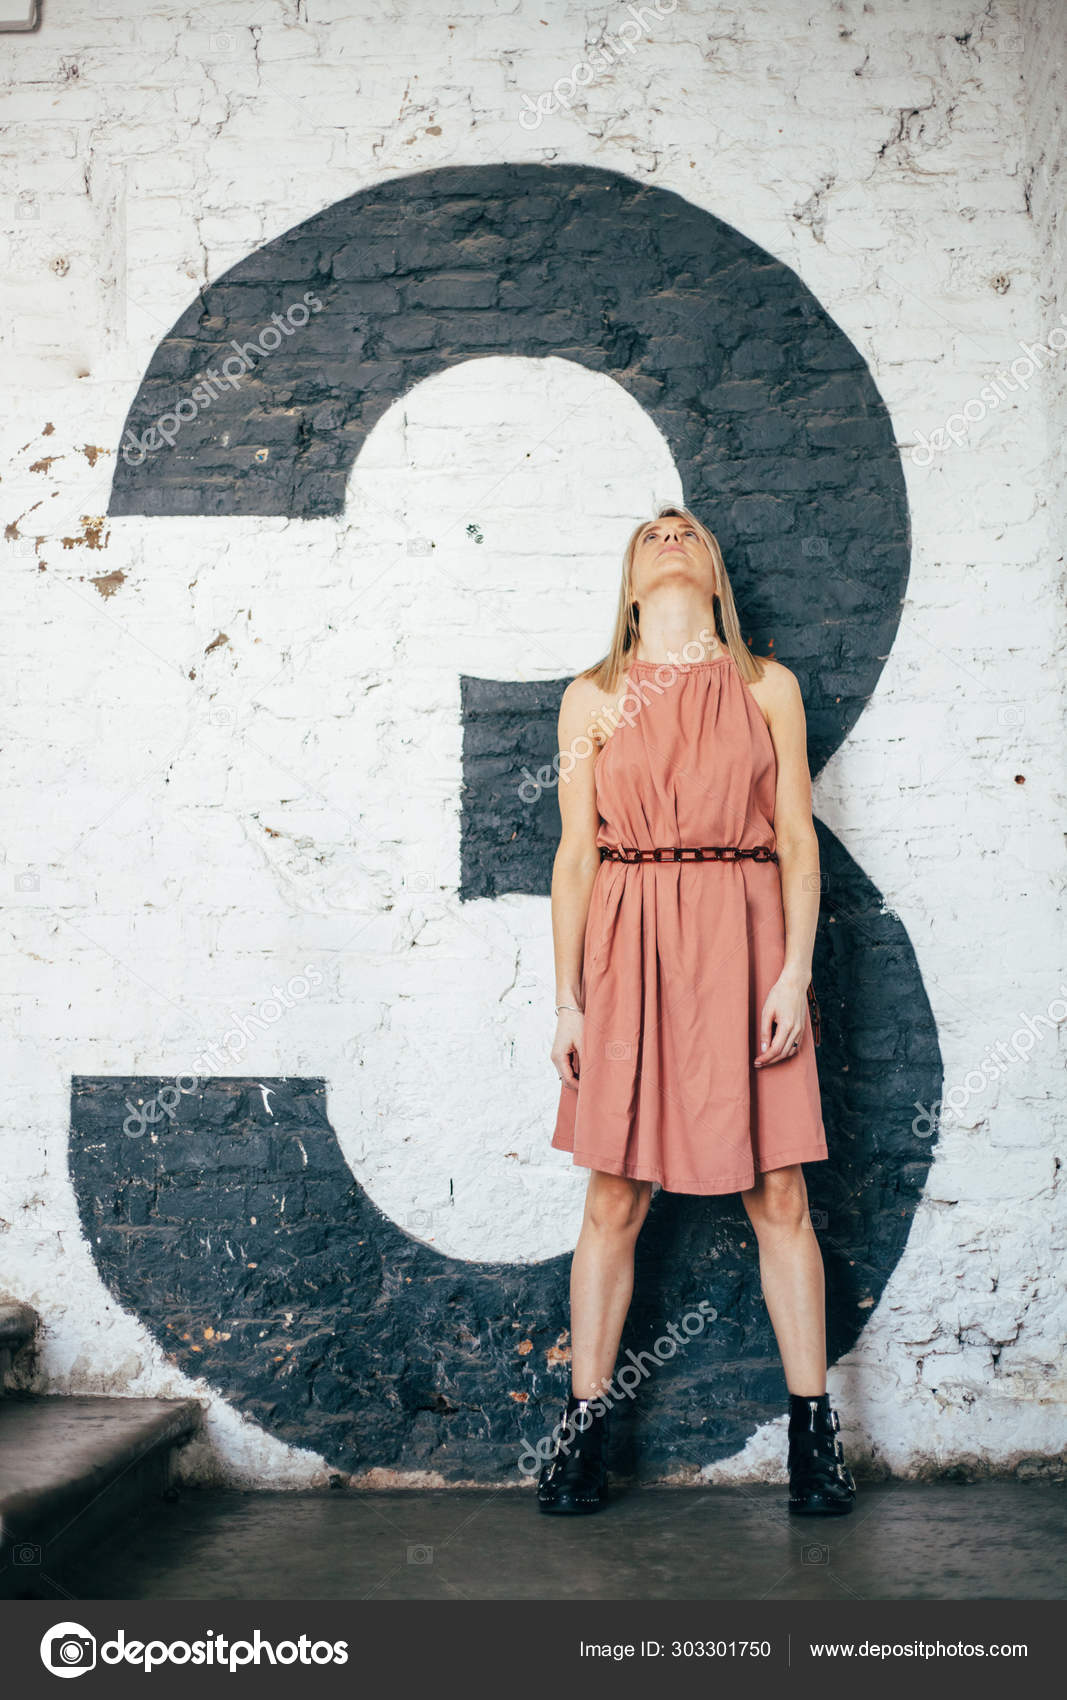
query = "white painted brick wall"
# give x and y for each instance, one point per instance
(886, 155)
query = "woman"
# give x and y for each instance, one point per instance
(684, 1043)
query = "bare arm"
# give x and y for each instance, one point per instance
(798, 864)
(573, 873)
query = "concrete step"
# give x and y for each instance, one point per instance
(73, 1469)
(18, 1325)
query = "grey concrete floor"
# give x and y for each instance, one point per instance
(903, 1541)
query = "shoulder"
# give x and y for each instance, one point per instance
(779, 691)
(778, 683)
(778, 694)
(579, 697)
(578, 706)
(580, 690)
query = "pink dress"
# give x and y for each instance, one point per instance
(679, 956)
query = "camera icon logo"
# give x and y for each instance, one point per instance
(68, 1649)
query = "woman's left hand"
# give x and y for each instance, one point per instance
(785, 1010)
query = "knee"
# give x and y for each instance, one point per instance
(615, 1204)
(779, 1200)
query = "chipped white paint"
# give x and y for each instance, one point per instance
(199, 815)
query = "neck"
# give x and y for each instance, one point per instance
(671, 624)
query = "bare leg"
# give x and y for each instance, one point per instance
(602, 1276)
(791, 1273)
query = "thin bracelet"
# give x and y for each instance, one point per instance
(573, 1006)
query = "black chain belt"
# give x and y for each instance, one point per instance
(688, 853)
(707, 853)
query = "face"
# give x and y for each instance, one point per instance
(671, 547)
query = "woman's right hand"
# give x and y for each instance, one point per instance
(567, 1046)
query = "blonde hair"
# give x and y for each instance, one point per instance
(607, 672)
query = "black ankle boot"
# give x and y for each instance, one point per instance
(575, 1478)
(820, 1482)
